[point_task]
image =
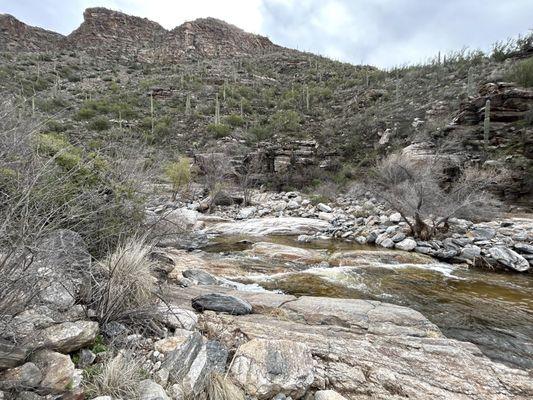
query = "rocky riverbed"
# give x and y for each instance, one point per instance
(290, 300)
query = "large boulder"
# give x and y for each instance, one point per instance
(150, 390)
(221, 303)
(192, 361)
(406, 244)
(264, 368)
(509, 258)
(57, 371)
(24, 377)
(66, 337)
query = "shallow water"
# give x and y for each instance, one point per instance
(492, 310)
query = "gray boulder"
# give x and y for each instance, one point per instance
(201, 277)
(149, 390)
(509, 258)
(24, 377)
(328, 395)
(264, 368)
(57, 369)
(406, 245)
(191, 363)
(524, 248)
(66, 337)
(221, 303)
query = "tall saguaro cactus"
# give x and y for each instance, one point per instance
(486, 125)
(152, 111)
(217, 110)
(188, 105)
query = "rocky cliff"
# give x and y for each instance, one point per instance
(17, 36)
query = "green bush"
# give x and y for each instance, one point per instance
(218, 130)
(287, 120)
(85, 113)
(99, 124)
(260, 132)
(522, 73)
(234, 120)
(179, 174)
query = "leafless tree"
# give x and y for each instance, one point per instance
(421, 192)
(215, 172)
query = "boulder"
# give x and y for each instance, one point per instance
(395, 217)
(406, 245)
(190, 364)
(178, 318)
(246, 212)
(324, 208)
(24, 377)
(509, 258)
(264, 368)
(470, 252)
(524, 248)
(328, 395)
(222, 303)
(66, 337)
(57, 371)
(200, 277)
(170, 343)
(11, 354)
(150, 390)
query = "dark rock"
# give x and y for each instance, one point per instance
(24, 377)
(113, 329)
(221, 303)
(201, 277)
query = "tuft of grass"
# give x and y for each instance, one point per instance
(219, 387)
(124, 285)
(117, 377)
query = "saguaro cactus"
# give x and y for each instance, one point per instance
(470, 83)
(152, 111)
(217, 110)
(188, 105)
(486, 125)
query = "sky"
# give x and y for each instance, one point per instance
(384, 33)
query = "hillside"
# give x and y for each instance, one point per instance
(108, 67)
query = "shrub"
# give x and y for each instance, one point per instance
(416, 190)
(218, 130)
(287, 120)
(85, 113)
(522, 73)
(260, 132)
(179, 174)
(124, 286)
(234, 120)
(219, 387)
(99, 124)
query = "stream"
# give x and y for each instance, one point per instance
(492, 310)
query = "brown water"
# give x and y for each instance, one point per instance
(492, 310)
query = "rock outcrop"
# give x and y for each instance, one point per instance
(17, 36)
(115, 34)
(210, 37)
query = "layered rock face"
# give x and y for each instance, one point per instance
(116, 35)
(16, 35)
(210, 37)
(110, 33)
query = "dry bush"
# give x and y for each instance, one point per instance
(419, 190)
(117, 377)
(124, 288)
(219, 387)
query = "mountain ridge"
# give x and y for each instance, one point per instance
(106, 32)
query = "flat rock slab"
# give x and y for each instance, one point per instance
(270, 226)
(222, 303)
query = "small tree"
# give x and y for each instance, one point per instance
(418, 190)
(179, 174)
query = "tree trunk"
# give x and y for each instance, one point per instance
(421, 229)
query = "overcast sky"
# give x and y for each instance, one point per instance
(379, 32)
